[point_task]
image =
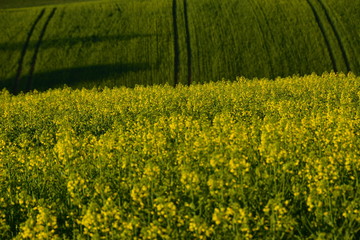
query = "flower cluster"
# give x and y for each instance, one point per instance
(250, 159)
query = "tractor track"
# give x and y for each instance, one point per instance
(337, 35)
(37, 48)
(323, 32)
(176, 44)
(188, 43)
(23, 52)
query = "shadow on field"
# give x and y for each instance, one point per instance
(69, 42)
(4, 4)
(78, 77)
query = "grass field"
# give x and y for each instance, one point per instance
(250, 159)
(124, 43)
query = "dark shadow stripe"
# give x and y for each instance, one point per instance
(37, 48)
(22, 4)
(88, 76)
(23, 52)
(188, 42)
(176, 45)
(337, 35)
(322, 29)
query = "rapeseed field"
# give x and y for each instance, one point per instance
(250, 159)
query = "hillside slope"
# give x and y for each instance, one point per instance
(120, 42)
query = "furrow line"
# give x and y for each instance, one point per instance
(176, 44)
(323, 32)
(188, 42)
(337, 35)
(37, 48)
(23, 52)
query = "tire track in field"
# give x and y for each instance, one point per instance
(23, 52)
(323, 32)
(176, 44)
(188, 43)
(266, 43)
(337, 35)
(37, 48)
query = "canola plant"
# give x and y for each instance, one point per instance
(250, 159)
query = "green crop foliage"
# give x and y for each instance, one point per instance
(12, 33)
(248, 159)
(257, 38)
(127, 43)
(346, 27)
(120, 44)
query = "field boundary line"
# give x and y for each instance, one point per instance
(188, 43)
(323, 32)
(176, 44)
(23, 52)
(337, 35)
(37, 49)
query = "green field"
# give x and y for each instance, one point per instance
(83, 52)
(249, 159)
(124, 43)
